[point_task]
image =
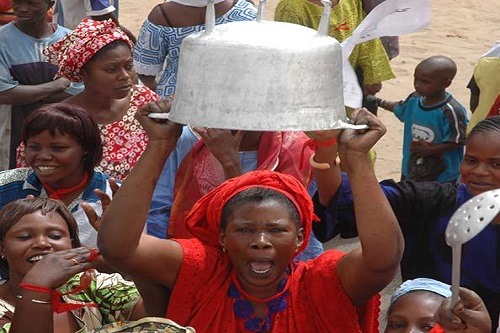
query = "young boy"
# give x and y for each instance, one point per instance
(435, 123)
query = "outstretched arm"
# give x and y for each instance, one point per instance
(120, 239)
(368, 269)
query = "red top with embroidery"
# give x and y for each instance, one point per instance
(316, 301)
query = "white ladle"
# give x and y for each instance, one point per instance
(468, 221)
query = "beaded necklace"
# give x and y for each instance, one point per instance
(243, 308)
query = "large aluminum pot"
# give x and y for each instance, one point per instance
(260, 75)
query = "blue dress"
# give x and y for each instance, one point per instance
(158, 47)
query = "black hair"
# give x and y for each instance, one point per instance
(258, 195)
(490, 124)
(70, 120)
(440, 64)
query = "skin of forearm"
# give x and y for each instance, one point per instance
(130, 211)
(374, 208)
(386, 105)
(148, 80)
(28, 94)
(441, 148)
(232, 169)
(57, 97)
(32, 317)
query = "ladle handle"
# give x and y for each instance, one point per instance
(210, 17)
(455, 272)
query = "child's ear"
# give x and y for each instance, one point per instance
(447, 82)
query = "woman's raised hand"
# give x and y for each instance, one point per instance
(54, 269)
(361, 140)
(223, 143)
(159, 129)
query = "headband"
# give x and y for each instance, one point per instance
(74, 50)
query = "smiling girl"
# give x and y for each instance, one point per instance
(41, 253)
(63, 146)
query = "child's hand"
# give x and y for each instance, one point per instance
(422, 147)
(372, 89)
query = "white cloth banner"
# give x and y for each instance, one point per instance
(390, 18)
(493, 52)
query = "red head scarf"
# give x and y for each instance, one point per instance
(75, 49)
(203, 221)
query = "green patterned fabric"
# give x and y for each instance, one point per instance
(115, 297)
(145, 325)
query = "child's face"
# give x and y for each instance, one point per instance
(413, 312)
(480, 168)
(428, 82)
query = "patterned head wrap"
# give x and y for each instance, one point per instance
(203, 221)
(422, 284)
(75, 49)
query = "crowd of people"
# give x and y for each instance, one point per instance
(111, 218)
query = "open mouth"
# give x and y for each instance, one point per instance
(35, 259)
(261, 268)
(45, 169)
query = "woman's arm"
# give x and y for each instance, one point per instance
(328, 178)
(368, 269)
(27, 94)
(121, 239)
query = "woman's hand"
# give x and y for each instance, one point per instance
(469, 315)
(159, 129)
(54, 269)
(94, 219)
(222, 143)
(361, 141)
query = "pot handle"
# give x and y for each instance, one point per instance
(261, 11)
(210, 17)
(324, 23)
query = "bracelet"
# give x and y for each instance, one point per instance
(37, 301)
(315, 143)
(36, 288)
(322, 166)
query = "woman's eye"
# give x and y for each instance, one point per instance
(33, 147)
(23, 237)
(111, 69)
(469, 160)
(428, 327)
(277, 230)
(245, 230)
(129, 67)
(55, 237)
(396, 325)
(58, 148)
